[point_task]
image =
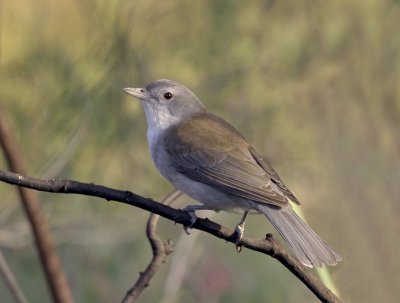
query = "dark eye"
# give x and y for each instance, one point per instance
(168, 96)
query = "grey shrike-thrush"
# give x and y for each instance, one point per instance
(210, 161)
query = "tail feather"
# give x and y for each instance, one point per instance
(309, 248)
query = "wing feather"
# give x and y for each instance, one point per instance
(226, 164)
(273, 174)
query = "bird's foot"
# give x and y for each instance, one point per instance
(191, 212)
(239, 231)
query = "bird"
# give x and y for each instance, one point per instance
(206, 158)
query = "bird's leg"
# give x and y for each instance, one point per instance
(191, 210)
(239, 230)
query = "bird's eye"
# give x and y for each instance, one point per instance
(168, 96)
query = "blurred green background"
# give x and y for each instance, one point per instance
(312, 84)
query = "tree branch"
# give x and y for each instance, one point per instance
(55, 276)
(160, 250)
(269, 246)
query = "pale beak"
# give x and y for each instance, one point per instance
(139, 93)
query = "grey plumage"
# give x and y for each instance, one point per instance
(309, 248)
(209, 160)
(222, 161)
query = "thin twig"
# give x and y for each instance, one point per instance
(11, 282)
(160, 249)
(269, 246)
(44, 242)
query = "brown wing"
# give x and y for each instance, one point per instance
(208, 150)
(273, 174)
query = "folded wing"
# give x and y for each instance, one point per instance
(209, 150)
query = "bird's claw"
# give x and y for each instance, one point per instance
(187, 229)
(239, 231)
(193, 219)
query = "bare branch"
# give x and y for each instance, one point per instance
(51, 263)
(160, 250)
(269, 246)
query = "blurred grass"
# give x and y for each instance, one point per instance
(312, 84)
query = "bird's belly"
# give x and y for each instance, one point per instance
(208, 195)
(203, 193)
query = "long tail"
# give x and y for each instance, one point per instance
(309, 248)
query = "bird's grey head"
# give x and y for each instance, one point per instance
(166, 102)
